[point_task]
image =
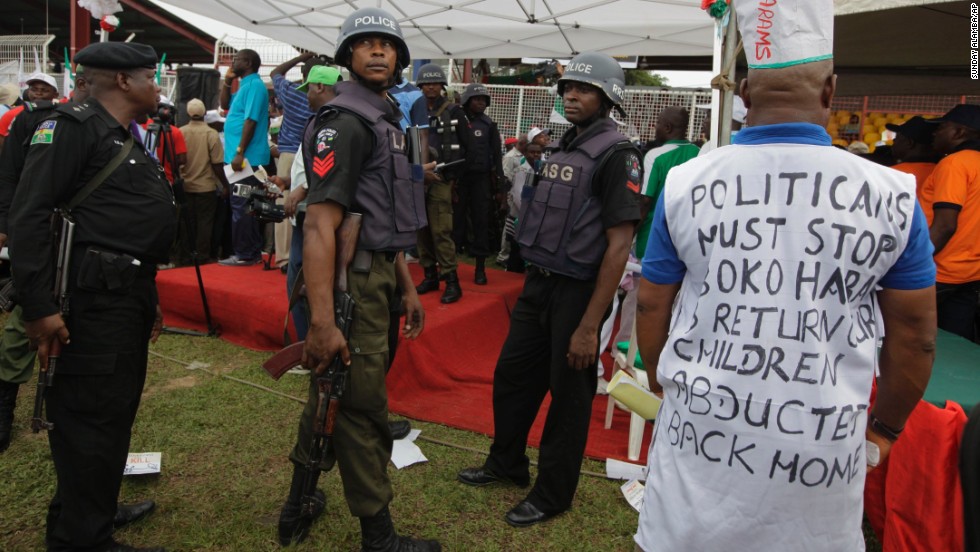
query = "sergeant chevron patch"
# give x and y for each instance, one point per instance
(322, 166)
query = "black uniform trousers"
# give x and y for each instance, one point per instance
(93, 402)
(473, 191)
(533, 362)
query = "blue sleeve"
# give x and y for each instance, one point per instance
(256, 103)
(277, 84)
(915, 268)
(420, 113)
(661, 265)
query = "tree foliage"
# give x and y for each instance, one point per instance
(640, 77)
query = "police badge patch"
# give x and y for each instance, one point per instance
(633, 173)
(44, 133)
(324, 140)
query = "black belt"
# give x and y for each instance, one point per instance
(542, 271)
(146, 270)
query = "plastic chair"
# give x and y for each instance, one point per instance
(637, 371)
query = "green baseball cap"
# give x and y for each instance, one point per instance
(321, 74)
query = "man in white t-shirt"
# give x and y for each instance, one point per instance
(772, 265)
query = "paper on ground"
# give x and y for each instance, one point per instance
(140, 463)
(405, 452)
(634, 396)
(617, 469)
(633, 491)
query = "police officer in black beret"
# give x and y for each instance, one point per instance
(114, 312)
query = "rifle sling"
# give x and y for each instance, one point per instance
(100, 176)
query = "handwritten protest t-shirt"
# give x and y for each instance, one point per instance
(779, 242)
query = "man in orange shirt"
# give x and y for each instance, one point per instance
(913, 149)
(954, 192)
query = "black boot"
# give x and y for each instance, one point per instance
(378, 535)
(8, 400)
(399, 428)
(431, 281)
(453, 291)
(480, 277)
(294, 526)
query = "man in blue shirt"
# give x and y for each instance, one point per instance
(295, 112)
(406, 94)
(246, 139)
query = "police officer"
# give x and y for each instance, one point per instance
(114, 311)
(357, 161)
(448, 136)
(575, 267)
(16, 357)
(484, 173)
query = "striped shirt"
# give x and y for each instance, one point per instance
(295, 112)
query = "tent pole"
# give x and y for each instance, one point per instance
(731, 42)
(716, 65)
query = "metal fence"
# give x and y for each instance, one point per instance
(516, 109)
(21, 55)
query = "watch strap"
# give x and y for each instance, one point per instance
(882, 429)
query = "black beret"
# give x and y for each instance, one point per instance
(117, 55)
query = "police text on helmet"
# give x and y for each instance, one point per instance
(375, 20)
(579, 68)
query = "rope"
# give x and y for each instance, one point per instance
(721, 80)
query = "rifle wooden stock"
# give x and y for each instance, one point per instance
(346, 242)
(285, 360)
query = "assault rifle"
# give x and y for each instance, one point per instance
(62, 234)
(330, 384)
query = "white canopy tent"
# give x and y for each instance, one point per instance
(881, 46)
(437, 29)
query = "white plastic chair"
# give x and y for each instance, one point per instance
(637, 423)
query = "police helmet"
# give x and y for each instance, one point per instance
(371, 21)
(431, 73)
(600, 71)
(475, 89)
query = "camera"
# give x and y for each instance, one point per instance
(546, 69)
(260, 205)
(164, 114)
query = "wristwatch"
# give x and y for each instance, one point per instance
(238, 149)
(873, 453)
(880, 428)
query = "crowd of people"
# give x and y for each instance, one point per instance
(701, 250)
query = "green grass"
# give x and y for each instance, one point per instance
(226, 472)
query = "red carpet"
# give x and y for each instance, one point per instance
(445, 376)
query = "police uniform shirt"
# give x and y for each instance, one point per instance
(340, 145)
(617, 185)
(131, 212)
(14, 154)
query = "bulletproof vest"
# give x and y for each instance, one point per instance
(443, 133)
(391, 202)
(560, 223)
(480, 129)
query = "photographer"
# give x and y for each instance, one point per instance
(164, 141)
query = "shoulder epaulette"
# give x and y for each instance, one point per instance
(77, 111)
(41, 105)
